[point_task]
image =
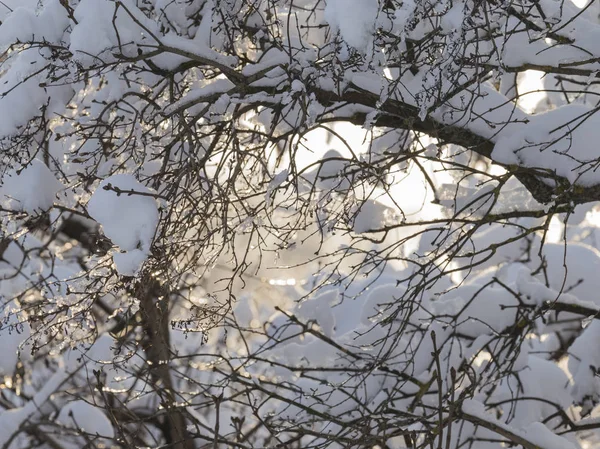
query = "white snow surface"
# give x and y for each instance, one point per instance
(355, 20)
(536, 433)
(541, 436)
(32, 190)
(584, 357)
(128, 219)
(25, 23)
(12, 420)
(81, 415)
(128, 263)
(563, 141)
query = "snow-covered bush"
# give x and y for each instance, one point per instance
(299, 224)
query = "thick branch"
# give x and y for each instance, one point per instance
(397, 114)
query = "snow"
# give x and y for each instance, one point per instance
(32, 189)
(277, 180)
(539, 378)
(583, 359)
(199, 92)
(320, 307)
(25, 23)
(453, 19)
(128, 263)
(95, 18)
(377, 301)
(373, 318)
(354, 19)
(22, 91)
(562, 141)
(12, 420)
(81, 415)
(404, 13)
(197, 49)
(370, 215)
(329, 173)
(129, 219)
(270, 59)
(8, 7)
(481, 308)
(537, 434)
(136, 32)
(580, 278)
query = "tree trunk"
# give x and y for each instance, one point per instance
(155, 322)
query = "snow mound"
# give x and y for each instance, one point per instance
(583, 359)
(84, 416)
(562, 141)
(354, 19)
(128, 214)
(31, 190)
